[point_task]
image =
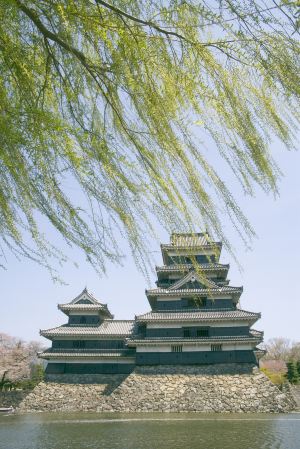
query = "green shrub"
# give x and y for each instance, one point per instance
(36, 376)
(276, 377)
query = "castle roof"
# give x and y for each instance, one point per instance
(189, 244)
(194, 291)
(108, 328)
(179, 268)
(83, 353)
(199, 315)
(83, 307)
(191, 240)
(84, 302)
(255, 337)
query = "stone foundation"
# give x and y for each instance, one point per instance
(12, 398)
(222, 388)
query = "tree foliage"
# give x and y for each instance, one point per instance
(112, 99)
(282, 349)
(18, 360)
(292, 372)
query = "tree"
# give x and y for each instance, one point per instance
(278, 348)
(281, 349)
(292, 373)
(298, 367)
(295, 351)
(19, 359)
(114, 98)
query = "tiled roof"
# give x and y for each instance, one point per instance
(82, 307)
(84, 354)
(156, 340)
(256, 333)
(66, 308)
(221, 314)
(191, 291)
(188, 239)
(259, 352)
(190, 243)
(187, 267)
(170, 246)
(110, 328)
(91, 307)
(85, 301)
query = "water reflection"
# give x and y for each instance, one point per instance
(155, 431)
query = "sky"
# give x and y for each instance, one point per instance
(270, 272)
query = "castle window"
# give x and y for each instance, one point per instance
(78, 344)
(186, 333)
(216, 347)
(202, 332)
(176, 348)
(82, 320)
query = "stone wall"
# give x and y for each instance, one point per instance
(12, 398)
(295, 392)
(222, 388)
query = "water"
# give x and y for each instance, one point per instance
(149, 431)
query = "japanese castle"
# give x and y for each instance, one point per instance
(195, 319)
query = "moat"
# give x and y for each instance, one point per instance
(151, 431)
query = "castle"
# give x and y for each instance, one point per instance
(195, 319)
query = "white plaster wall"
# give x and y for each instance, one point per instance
(196, 347)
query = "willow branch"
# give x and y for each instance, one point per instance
(32, 15)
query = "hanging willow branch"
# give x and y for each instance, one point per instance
(111, 99)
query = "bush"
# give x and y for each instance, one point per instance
(37, 374)
(276, 377)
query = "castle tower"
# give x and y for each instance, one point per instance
(195, 316)
(91, 342)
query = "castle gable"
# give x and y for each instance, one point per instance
(84, 298)
(193, 280)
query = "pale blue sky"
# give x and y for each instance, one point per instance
(270, 272)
